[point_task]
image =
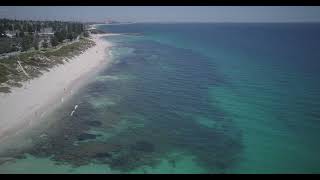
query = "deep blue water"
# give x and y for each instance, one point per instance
(198, 98)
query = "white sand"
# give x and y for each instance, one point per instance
(24, 106)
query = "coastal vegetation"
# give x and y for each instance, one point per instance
(31, 64)
(28, 48)
(94, 31)
(20, 35)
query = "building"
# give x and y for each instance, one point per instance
(46, 30)
(11, 34)
(46, 34)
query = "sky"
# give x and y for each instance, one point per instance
(165, 13)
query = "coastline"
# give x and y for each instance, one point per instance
(25, 106)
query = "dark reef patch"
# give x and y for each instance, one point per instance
(87, 136)
(168, 99)
(103, 155)
(144, 146)
(94, 123)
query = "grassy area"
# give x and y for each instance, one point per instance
(37, 62)
(8, 44)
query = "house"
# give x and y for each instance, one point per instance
(46, 30)
(46, 33)
(11, 34)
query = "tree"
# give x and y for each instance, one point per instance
(10, 28)
(30, 28)
(60, 35)
(15, 27)
(2, 31)
(70, 36)
(45, 44)
(26, 43)
(86, 34)
(38, 27)
(54, 41)
(21, 34)
(36, 43)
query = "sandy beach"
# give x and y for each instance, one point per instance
(23, 107)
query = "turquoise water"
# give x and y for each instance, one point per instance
(191, 98)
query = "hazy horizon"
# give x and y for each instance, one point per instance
(166, 14)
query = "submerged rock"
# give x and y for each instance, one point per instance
(94, 123)
(6, 159)
(172, 162)
(103, 155)
(144, 146)
(86, 136)
(119, 163)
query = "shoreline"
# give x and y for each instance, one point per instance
(25, 106)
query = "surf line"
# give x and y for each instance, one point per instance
(74, 110)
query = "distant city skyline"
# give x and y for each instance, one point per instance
(165, 13)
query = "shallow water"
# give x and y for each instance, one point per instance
(231, 98)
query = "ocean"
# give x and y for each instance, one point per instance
(191, 98)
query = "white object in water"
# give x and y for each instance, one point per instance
(72, 113)
(42, 114)
(75, 107)
(43, 135)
